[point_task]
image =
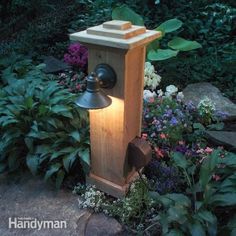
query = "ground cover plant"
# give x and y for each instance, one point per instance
(41, 127)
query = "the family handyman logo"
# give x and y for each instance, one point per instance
(34, 223)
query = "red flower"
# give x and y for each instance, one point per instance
(144, 136)
(216, 177)
(159, 152)
(163, 136)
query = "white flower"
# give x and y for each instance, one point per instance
(180, 96)
(160, 93)
(206, 105)
(147, 94)
(171, 90)
(151, 79)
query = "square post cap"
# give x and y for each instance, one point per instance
(117, 34)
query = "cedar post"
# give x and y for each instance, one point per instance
(123, 47)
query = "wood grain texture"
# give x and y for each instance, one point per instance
(112, 128)
(117, 24)
(131, 43)
(114, 33)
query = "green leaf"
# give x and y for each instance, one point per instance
(226, 199)
(179, 198)
(154, 45)
(29, 143)
(198, 126)
(32, 162)
(53, 168)
(29, 102)
(181, 44)
(161, 54)
(179, 160)
(170, 25)
(125, 13)
(69, 160)
(60, 178)
(174, 232)
(197, 229)
(85, 157)
(178, 214)
(207, 216)
(75, 135)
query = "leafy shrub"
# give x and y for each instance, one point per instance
(41, 128)
(211, 185)
(154, 50)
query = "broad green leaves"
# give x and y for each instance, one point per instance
(161, 54)
(181, 44)
(154, 50)
(170, 25)
(125, 13)
(40, 126)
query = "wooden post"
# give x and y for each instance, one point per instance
(122, 46)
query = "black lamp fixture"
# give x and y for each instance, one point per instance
(93, 98)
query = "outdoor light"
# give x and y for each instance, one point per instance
(93, 98)
(116, 49)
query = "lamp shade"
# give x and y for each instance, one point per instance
(93, 97)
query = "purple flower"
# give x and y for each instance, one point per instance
(173, 121)
(77, 55)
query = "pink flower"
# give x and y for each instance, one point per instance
(163, 136)
(151, 100)
(216, 177)
(208, 150)
(159, 152)
(201, 151)
(144, 136)
(78, 86)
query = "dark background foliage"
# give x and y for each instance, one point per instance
(37, 28)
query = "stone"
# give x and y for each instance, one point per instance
(224, 138)
(54, 65)
(197, 91)
(100, 225)
(23, 195)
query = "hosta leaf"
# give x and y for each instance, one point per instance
(85, 158)
(62, 110)
(29, 143)
(161, 54)
(52, 169)
(170, 25)
(75, 135)
(125, 13)
(197, 229)
(69, 160)
(29, 102)
(181, 44)
(179, 198)
(9, 121)
(226, 199)
(174, 232)
(177, 214)
(60, 178)
(32, 162)
(179, 160)
(207, 216)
